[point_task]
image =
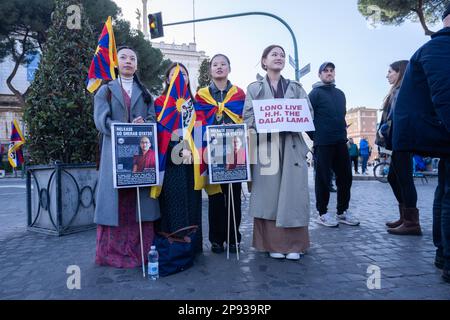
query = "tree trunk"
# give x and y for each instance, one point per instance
(12, 88)
(421, 15)
(17, 60)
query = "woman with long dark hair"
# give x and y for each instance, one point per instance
(400, 170)
(180, 194)
(123, 100)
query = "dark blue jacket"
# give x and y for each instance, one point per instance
(329, 107)
(422, 111)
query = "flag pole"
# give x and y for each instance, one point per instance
(182, 134)
(185, 147)
(228, 224)
(137, 190)
(140, 231)
(234, 220)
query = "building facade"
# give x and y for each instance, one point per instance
(362, 122)
(10, 108)
(187, 54)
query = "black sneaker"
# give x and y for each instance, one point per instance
(234, 248)
(217, 248)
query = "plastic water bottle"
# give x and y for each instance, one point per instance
(153, 270)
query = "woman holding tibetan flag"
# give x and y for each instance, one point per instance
(123, 100)
(221, 103)
(279, 200)
(180, 173)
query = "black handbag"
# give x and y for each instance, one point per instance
(176, 250)
(384, 131)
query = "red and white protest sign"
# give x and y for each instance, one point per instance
(279, 115)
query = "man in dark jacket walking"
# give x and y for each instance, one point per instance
(330, 148)
(422, 126)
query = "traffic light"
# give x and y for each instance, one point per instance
(156, 25)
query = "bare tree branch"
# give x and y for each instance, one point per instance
(17, 60)
(420, 13)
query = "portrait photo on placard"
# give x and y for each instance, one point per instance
(135, 155)
(228, 154)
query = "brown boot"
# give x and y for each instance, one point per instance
(395, 224)
(410, 225)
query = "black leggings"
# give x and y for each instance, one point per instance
(401, 179)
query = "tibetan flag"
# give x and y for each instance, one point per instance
(207, 108)
(176, 117)
(15, 155)
(105, 58)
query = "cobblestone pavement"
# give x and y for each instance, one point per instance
(33, 266)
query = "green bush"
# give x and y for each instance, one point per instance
(58, 111)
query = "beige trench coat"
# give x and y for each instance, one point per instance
(279, 189)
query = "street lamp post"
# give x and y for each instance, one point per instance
(260, 13)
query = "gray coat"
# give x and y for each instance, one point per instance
(281, 195)
(107, 198)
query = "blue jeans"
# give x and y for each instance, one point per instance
(441, 213)
(365, 158)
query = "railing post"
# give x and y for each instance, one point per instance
(59, 214)
(28, 173)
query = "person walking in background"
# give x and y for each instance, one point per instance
(422, 126)
(279, 200)
(364, 152)
(354, 154)
(330, 148)
(400, 175)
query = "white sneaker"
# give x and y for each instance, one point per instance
(348, 218)
(276, 255)
(328, 220)
(293, 256)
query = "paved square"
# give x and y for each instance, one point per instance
(33, 266)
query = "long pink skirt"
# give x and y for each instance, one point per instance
(120, 246)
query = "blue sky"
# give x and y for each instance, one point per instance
(326, 30)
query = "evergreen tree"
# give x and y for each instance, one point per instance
(59, 110)
(395, 12)
(204, 77)
(151, 63)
